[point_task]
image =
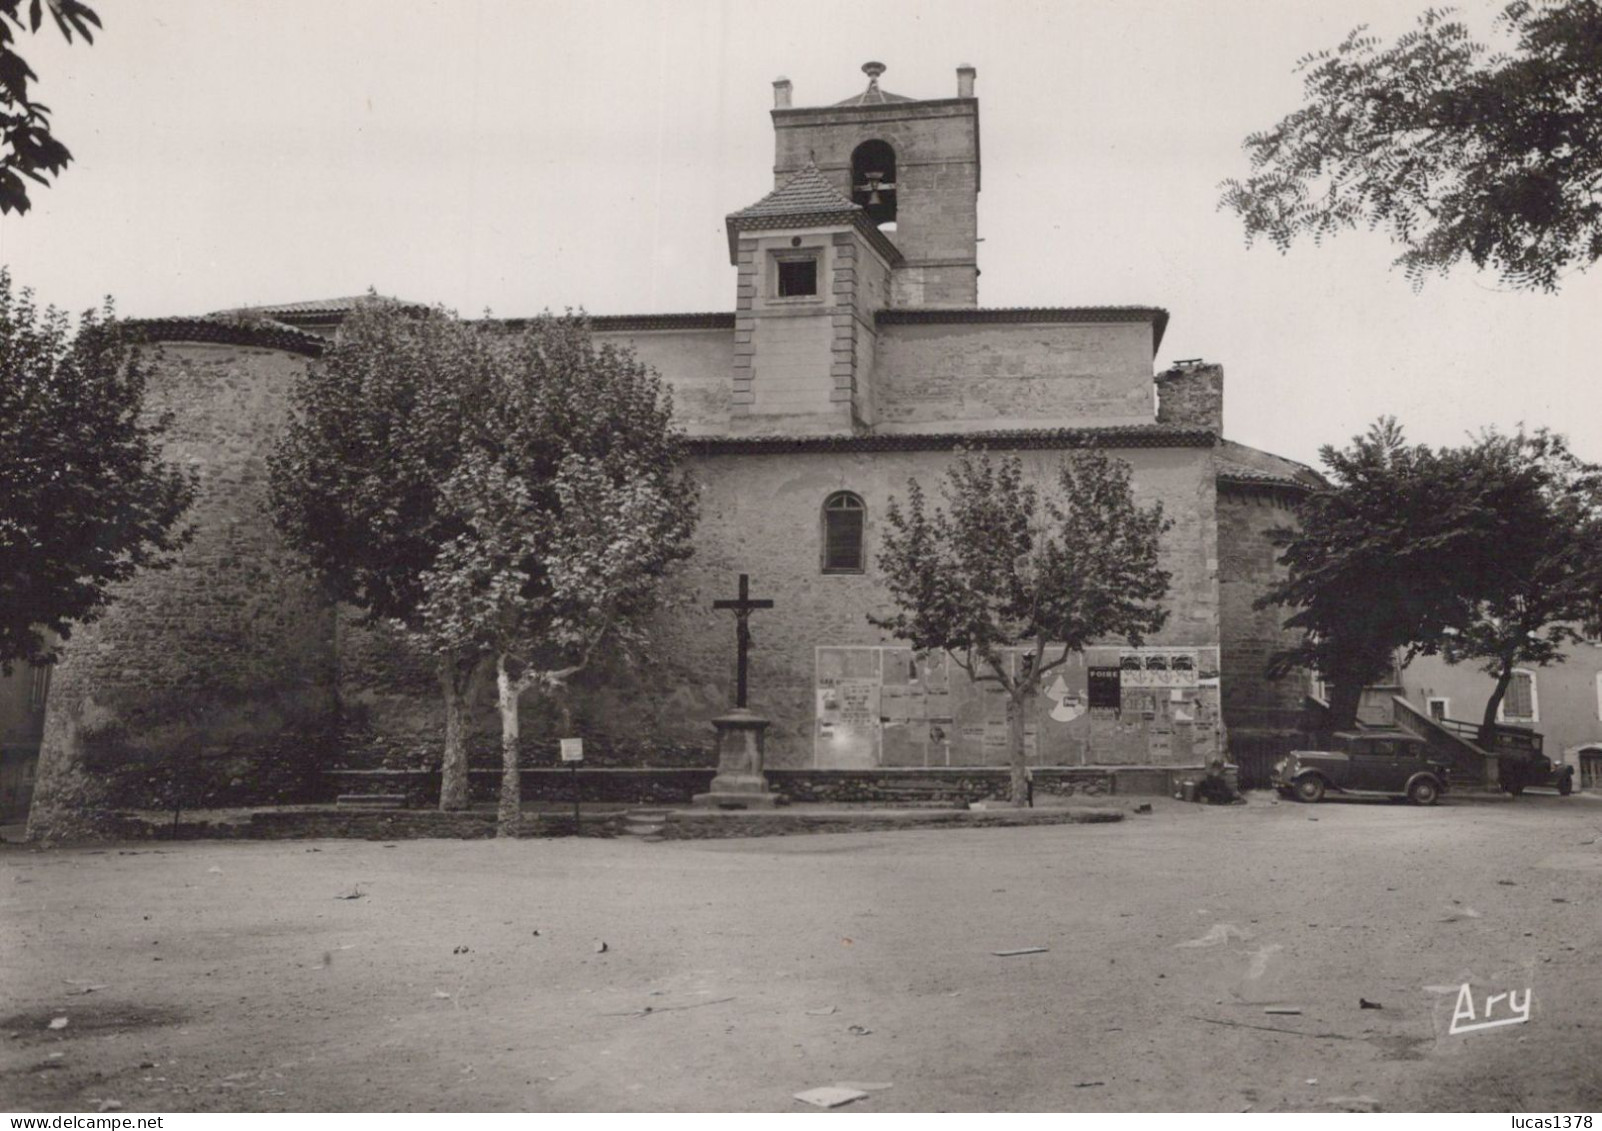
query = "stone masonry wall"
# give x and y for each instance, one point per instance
(761, 515)
(214, 678)
(1253, 704)
(1012, 375)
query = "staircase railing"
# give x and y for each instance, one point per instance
(1470, 763)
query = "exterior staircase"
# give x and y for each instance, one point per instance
(1454, 742)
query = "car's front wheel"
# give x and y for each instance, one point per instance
(1310, 788)
(1423, 792)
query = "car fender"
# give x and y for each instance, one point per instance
(1440, 786)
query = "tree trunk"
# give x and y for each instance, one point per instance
(1016, 703)
(509, 814)
(453, 766)
(1344, 699)
(1493, 705)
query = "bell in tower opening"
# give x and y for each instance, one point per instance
(873, 181)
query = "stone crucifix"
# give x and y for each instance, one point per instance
(742, 607)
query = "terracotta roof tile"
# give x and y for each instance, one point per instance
(806, 193)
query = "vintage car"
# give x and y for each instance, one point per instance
(1522, 763)
(1368, 763)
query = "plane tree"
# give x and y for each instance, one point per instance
(1007, 567)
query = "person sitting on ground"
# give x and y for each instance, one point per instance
(1214, 788)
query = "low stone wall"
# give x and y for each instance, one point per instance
(902, 788)
(958, 786)
(669, 786)
(361, 824)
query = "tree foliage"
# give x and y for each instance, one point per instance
(27, 146)
(573, 509)
(1457, 151)
(86, 498)
(355, 480)
(1544, 591)
(1396, 553)
(1006, 565)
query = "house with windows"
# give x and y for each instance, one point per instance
(854, 358)
(1562, 701)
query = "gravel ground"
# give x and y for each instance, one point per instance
(471, 975)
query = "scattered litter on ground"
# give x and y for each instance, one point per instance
(1558, 899)
(461, 950)
(354, 893)
(1273, 1029)
(55, 1056)
(57, 1023)
(1143, 807)
(1217, 933)
(441, 993)
(535, 934)
(845, 942)
(1455, 915)
(110, 1105)
(833, 1096)
(1285, 1010)
(1092, 1084)
(858, 1030)
(665, 1008)
(600, 947)
(83, 987)
(1020, 950)
(1354, 1103)
(1312, 1080)
(824, 1012)
(1504, 883)
(1364, 1003)
(214, 869)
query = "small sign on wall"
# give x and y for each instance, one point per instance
(572, 750)
(1106, 688)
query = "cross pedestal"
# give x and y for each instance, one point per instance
(740, 783)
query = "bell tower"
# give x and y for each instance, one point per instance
(911, 164)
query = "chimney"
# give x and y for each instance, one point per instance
(965, 77)
(1191, 394)
(781, 93)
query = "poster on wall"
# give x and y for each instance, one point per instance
(882, 705)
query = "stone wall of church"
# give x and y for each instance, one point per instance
(1253, 704)
(1012, 375)
(211, 680)
(695, 363)
(761, 516)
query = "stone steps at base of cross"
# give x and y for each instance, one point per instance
(644, 822)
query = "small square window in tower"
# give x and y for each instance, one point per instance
(843, 513)
(798, 277)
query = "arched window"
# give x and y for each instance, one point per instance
(843, 515)
(873, 180)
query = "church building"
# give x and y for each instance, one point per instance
(855, 357)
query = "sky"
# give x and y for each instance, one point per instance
(519, 155)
